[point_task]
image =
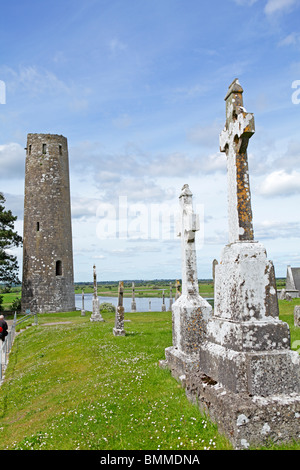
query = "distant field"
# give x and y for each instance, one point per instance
(142, 289)
(205, 289)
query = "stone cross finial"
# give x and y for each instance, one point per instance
(239, 127)
(189, 225)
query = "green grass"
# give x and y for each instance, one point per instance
(76, 386)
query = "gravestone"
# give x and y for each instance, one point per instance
(190, 312)
(171, 298)
(82, 305)
(96, 315)
(118, 330)
(297, 315)
(292, 284)
(214, 264)
(133, 302)
(163, 307)
(249, 379)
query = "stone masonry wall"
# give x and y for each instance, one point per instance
(47, 284)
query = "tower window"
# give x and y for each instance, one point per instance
(60, 150)
(29, 150)
(37, 226)
(44, 148)
(58, 268)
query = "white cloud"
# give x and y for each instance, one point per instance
(290, 160)
(12, 161)
(272, 229)
(34, 80)
(291, 39)
(15, 203)
(205, 135)
(245, 2)
(84, 207)
(122, 122)
(280, 183)
(276, 6)
(115, 45)
(192, 91)
(137, 174)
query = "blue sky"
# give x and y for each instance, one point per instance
(138, 87)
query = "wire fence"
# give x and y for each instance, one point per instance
(6, 345)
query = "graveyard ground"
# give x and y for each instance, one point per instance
(70, 384)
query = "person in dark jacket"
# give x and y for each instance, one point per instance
(3, 328)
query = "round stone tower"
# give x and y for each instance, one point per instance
(48, 283)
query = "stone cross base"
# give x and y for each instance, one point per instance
(247, 347)
(118, 330)
(248, 378)
(262, 373)
(163, 308)
(82, 313)
(133, 306)
(246, 420)
(96, 315)
(190, 314)
(179, 363)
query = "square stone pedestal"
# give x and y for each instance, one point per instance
(247, 421)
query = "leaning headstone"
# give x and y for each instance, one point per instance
(96, 315)
(249, 379)
(82, 305)
(133, 302)
(297, 315)
(118, 330)
(190, 312)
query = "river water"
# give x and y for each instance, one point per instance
(142, 303)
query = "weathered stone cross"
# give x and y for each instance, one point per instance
(96, 315)
(189, 225)
(239, 127)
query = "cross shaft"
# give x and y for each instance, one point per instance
(234, 138)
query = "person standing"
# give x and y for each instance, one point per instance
(3, 328)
